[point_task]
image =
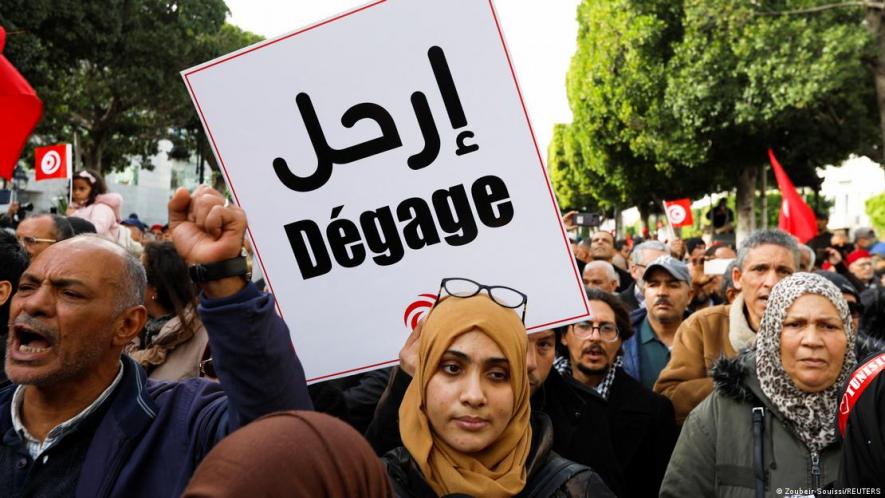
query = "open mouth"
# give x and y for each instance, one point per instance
(30, 342)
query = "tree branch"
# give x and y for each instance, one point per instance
(869, 4)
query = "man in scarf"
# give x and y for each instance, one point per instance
(643, 428)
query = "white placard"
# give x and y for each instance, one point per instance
(376, 153)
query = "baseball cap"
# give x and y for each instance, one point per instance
(671, 265)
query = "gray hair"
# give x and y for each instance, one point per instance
(133, 280)
(608, 267)
(768, 237)
(133, 284)
(811, 256)
(654, 245)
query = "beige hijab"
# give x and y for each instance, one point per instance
(496, 471)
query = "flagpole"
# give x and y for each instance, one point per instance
(670, 230)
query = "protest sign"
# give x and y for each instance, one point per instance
(376, 153)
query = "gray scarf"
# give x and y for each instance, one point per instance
(810, 415)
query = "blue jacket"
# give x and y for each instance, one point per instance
(154, 434)
(631, 346)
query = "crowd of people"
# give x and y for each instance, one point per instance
(149, 361)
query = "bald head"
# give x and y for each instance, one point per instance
(600, 275)
(122, 270)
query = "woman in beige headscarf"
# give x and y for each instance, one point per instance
(466, 421)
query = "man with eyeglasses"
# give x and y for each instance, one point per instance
(642, 255)
(641, 423)
(39, 232)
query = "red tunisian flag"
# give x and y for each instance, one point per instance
(20, 111)
(679, 212)
(52, 161)
(795, 216)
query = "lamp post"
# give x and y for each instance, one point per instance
(19, 181)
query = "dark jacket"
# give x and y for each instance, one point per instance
(153, 434)
(628, 297)
(625, 280)
(715, 452)
(643, 433)
(544, 469)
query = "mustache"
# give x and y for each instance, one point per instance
(36, 325)
(593, 348)
(663, 300)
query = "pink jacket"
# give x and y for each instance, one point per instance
(104, 213)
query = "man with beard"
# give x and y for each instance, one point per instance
(667, 294)
(764, 259)
(643, 430)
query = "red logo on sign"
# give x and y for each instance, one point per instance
(418, 309)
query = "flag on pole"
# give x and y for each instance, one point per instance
(20, 111)
(679, 212)
(52, 162)
(795, 216)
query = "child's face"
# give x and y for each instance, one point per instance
(81, 190)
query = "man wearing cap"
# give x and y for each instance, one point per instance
(763, 260)
(643, 254)
(136, 227)
(860, 265)
(667, 294)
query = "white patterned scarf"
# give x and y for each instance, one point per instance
(810, 415)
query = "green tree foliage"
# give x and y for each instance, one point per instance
(742, 81)
(108, 71)
(875, 207)
(676, 98)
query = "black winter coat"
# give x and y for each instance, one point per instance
(640, 423)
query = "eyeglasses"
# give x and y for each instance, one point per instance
(27, 240)
(607, 331)
(501, 295)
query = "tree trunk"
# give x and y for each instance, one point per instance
(876, 26)
(746, 190)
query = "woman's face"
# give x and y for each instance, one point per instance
(813, 342)
(469, 397)
(81, 190)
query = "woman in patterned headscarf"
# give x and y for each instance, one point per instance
(768, 426)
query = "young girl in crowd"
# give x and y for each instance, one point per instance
(93, 202)
(465, 421)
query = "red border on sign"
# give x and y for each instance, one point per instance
(528, 122)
